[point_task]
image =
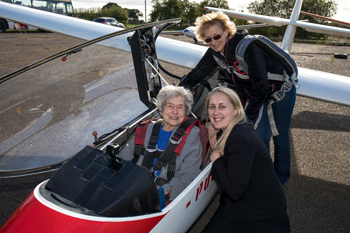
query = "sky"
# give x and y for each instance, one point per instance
(342, 15)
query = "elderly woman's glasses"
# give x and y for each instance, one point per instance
(170, 107)
(216, 37)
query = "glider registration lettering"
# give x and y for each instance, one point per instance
(206, 183)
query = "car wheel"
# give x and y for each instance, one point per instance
(3, 26)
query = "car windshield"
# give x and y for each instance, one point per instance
(48, 113)
(111, 20)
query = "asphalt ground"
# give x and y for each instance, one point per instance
(319, 187)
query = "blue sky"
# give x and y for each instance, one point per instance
(342, 15)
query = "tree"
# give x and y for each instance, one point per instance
(281, 8)
(115, 11)
(223, 4)
(185, 9)
(278, 8)
(327, 8)
(109, 5)
(166, 9)
(135, 14)
(190, 12)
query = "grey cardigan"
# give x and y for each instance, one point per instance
(187, 163)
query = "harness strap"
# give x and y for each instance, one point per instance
(259, 116)
(278, 77)
(276, 97)
(175, 145)
(153, 141)
(238, 70)
(170, 171)
(139, 141)
(165, 157)
(273, 126)
(151, 150)
(279, 95)
(168, 156)
(272, 122)
(171, 167)
(270, 76)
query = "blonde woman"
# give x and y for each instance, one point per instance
(252, 197)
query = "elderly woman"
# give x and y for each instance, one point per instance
(221, 35)
(252, 198)
(174, 103)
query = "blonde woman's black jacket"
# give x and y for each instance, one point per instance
(257, 88)
(251, 190)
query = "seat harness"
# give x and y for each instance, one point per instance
(166, 157)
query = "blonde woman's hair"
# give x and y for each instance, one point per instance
(169, 92)
(204, 22)
(239, 118)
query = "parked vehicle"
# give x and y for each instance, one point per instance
(109, 21)
(63, 7)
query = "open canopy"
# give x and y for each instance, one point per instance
(50, 108)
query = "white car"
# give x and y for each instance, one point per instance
(109, 21)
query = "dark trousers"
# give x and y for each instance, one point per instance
(219, 223)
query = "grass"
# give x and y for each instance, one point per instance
(130, 25)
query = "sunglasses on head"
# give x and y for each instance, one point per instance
(209, 39)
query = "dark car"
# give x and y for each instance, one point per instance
(109, 21)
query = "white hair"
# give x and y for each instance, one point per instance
(169, 92)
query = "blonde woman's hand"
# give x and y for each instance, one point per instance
(214, 156)
(211, 133)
